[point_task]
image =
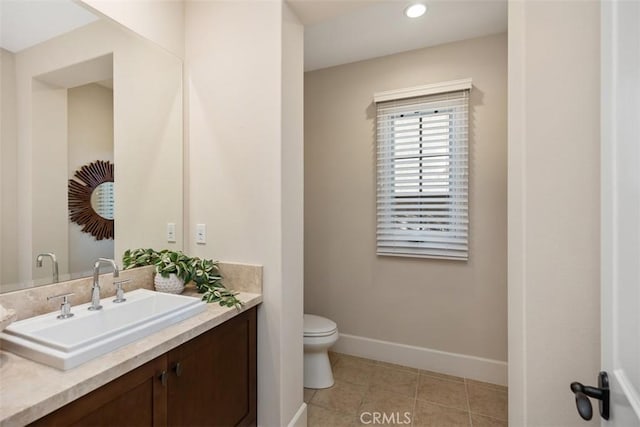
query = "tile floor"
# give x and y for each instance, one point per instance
(365, 389)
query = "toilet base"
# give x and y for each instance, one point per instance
(317, 370)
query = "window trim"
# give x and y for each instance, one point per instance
(424, 90)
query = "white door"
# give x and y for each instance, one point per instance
(621, 208)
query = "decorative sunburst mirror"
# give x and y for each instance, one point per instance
(91, 199)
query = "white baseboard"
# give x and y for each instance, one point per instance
(300, 418)
(460, 365)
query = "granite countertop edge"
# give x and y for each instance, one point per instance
(30, 390)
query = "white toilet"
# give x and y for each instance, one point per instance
(319, 334)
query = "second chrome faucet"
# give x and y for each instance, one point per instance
(95, 289)
(54, 264)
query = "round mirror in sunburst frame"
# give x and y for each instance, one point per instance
(91, 199)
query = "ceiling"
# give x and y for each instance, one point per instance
(24, 24)
(336, 31)
(313, 11)
(343, 31)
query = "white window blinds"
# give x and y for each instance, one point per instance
(422, 168)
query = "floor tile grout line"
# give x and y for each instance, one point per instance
(466, 392)
(490, 417)
(443, 405)
(336, 411)
(490, 386)
(480, 414)
(457, 380)
(481, 385)
(450, 378)
(396, 367)
(415, 400)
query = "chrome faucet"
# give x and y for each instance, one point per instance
(54, 264)
(95, 290)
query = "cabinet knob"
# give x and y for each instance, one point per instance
(163, 378)
(178, 369)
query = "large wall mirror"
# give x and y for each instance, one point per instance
(78, 89)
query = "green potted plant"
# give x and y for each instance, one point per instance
(174, 269)
(172, 272)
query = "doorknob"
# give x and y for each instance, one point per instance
(584, 392)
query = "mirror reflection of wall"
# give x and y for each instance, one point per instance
(8, 171)
(89, 91)
(72, 116)
(90, 138)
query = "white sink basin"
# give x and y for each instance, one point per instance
(67, 343)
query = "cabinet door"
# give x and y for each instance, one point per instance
(212, 378)
(137, 398)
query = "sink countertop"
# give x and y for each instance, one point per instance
(30, 390)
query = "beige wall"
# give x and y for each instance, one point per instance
(457, 307)
(8, 171)
(147, 137)
(554, 208)
(89, 138)
(243, 72)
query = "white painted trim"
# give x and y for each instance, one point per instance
(629, 390)
(461, 365)
(517, 237)
(300, 418)
(617, 68)
(432, 89)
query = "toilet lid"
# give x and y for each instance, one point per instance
(317, 326)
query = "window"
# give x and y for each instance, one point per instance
(422, 163)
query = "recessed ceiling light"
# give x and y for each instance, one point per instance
(415, 10)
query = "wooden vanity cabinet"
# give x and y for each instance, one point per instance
(208, 381)
(213, 377)
(137, 398)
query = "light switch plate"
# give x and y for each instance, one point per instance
(201, 234)
(171, 232)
